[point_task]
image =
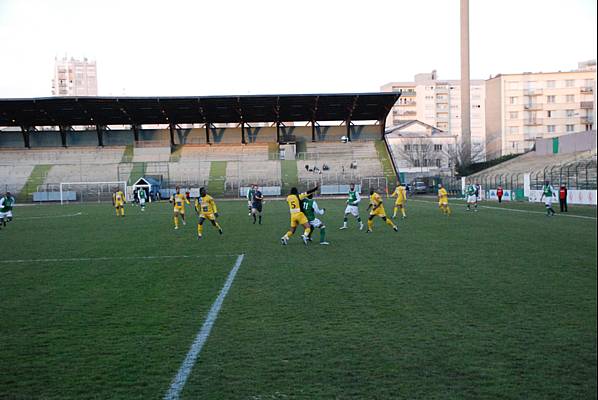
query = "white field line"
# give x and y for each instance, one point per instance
(516, 210)
(76, 259)
(53, 216)
(178, 383)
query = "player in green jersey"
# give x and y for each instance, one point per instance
(352, 207)
(311, 211)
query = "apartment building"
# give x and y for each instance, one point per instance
(438, 103)
(74, 77)
(521, 108)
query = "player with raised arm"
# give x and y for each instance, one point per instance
(472, 197)
(547, 192)
(178, 199)
(6, 204)
(205, 206)
(311, 210)
(443, 200)
(377, 210)
(118, 201)
(297, 215)
(352, 207)
(256, 205)
(401, 194)
(250, 195)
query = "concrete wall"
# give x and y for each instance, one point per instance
(45, 139)
(583, 141)
(82, 138)
(11, 140)
(118, 137)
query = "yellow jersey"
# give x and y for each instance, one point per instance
(375, 199)
(118, 197)
(294, 202)
(206, 205)
(442, 194)
(400, 194)
(179, 200)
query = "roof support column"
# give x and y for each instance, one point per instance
(278, 132)
(207, 132)
(349, 130)
(62, 135)
(135, 128)
(25, 132)
(313, 131)
(243, 133)
(382, 128)
(100, 132)
(172, 128)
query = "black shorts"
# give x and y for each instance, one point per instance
(257, 206)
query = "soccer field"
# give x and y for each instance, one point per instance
(495, 304)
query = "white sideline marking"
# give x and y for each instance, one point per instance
(181, 377)
(516, 210)
(53, 216)
(47, 260)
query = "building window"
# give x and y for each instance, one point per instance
(513, 115)
(513, 130)
(437, 147)
(438, 163)
(570, 113)
(550, 128)
(551, 84)
(570, 128)
(570, 98)
(550, 99)
(512, 100)
(569, 83)
(416, 163)
(407, 147)
(549, 113)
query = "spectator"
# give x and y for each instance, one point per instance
(499, 193)
(325, 167)
(563, 198)
(307, 167)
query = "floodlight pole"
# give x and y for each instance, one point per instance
(465, 84)
(382, 128)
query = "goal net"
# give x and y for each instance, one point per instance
(90, 191)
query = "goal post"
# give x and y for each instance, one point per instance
(90, 191)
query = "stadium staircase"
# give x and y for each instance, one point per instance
(128, 154)
(217, 178)
(37, 177)
(289, 175)
(388, 168)
(137, 172)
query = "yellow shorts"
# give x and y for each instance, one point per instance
(378, 212)
(180, 210)
(442, 203)
(119, 204)
(400, 203)
(298, 219)
(208, 216)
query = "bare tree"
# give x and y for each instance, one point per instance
(416, 151)
(457, 155)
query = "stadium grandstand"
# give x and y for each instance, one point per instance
(225, 143)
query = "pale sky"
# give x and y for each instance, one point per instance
(223, 47)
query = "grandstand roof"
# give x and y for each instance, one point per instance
(52, 111)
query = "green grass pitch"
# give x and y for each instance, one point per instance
(487, 305)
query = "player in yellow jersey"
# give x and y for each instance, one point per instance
(443, 200)
(401, 194)
(297, 215)
(118, 201)
(377, 209)
(206, 209)
(178, 200)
